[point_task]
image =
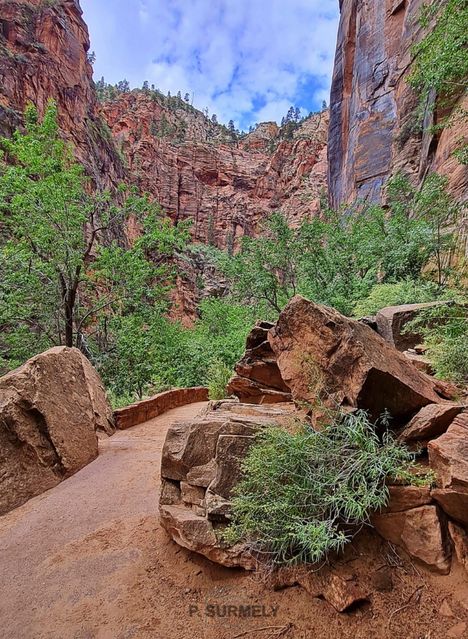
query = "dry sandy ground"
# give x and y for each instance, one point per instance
(89, 560)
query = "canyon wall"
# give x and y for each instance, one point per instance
(225, 185)
(44, 54)
(374, 129)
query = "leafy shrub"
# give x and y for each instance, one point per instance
(218, 377)
(304, 493)
(405, 292)
(445, 331)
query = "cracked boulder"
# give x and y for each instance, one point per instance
(448, 456)
(327, 357)
(201, 464)
(51, 409)
(258, 379)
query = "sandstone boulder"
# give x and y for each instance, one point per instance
(258, 379)
(391, 323)
(50, 410)
(201, 464)
(448, 456)
(323, 355)
(431, 421)
(421, 532)
(459, 537)
(406, 497)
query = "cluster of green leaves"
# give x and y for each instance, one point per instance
(445, 332)
(306, 493)
(338, 258)
(63, 280)
(441, 62)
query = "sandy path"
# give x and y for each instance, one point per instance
(89, 560)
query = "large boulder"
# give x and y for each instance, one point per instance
(50, 411)
(325, 356)
(201, 464)
(448, 456)
(258, 379)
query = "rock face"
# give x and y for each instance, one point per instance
(373, 126)
(50, 411)
(196, 171)
(200, 466)
(448, 455)
(421, 532)
(431, 421)
(43, 55)
(258, 379)
(323, 355)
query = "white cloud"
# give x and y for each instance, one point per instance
(244, 59)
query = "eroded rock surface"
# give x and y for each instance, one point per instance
(200, 466)
(374, 127)
(50, 411)
(323, 355)
(448, 456)
(258, 379)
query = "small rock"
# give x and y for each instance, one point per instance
(445, 609)
(457, 631)
(431, 421)
(343, 594)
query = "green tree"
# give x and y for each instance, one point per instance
(56, 277)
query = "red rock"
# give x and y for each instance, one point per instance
(50, 411)
(431, 421)
(457, 631)
(459, 537)
(448, 456)
(407, 497)
(342, 593)
(373, 130)
(420, 532)
(323, 355)
(258, 379)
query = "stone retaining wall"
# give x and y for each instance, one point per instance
(148, 408)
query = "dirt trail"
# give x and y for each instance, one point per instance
(89, 560)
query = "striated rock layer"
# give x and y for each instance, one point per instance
(196, 171)
(44, 55)
(374, 130)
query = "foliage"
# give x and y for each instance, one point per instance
(393, 294)
(218, 377)
(445, 332)
(305, 493)
(441, 62)
(337, 258)
(58, 285)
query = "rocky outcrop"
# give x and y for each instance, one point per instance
(448, 456)
(421, 532)
(197, 172)
(50, 411)
(44, 55)
(431, 421)
(258, 379)
(374, 128)
(325, 356)
(200, 466)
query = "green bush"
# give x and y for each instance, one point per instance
(392, 294)
(304, 494)
(218, 377)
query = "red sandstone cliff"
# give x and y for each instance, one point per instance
(373, 129)
(43, 54)
(196, 171)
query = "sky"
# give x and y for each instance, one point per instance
(246, 60)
